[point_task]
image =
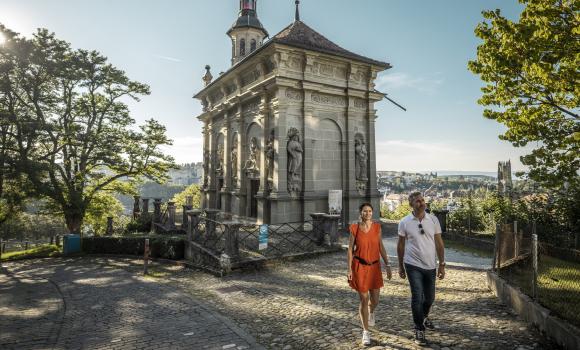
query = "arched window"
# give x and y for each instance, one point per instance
(242, 47)
(252, 45)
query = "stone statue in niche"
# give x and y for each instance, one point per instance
(252, 166)
(270, 152)
(235, 162)
(361, 159)
(206, 161)
(295, 151)
(219, 167)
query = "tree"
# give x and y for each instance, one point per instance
(71, 135)
(191, 190)
(533, 84)
(102, 206)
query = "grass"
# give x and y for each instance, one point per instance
(558, 285)
(457, 245)
(44, 251)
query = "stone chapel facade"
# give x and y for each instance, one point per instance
(291, 119)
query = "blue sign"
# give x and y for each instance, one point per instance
(263, 237)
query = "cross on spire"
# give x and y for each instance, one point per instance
(297, 17)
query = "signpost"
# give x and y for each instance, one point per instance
(335, 202)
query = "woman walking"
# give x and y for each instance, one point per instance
(365, 248)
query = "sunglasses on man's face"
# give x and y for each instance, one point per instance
(421, 227)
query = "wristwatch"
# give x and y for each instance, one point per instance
(442, 263)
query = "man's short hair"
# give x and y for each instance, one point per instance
(414, 195)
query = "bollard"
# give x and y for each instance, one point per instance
(26, 245)
(146, 257)
(535, 266)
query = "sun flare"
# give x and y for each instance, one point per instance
(2, 38)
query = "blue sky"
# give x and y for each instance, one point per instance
(166, 44)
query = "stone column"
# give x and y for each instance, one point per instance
(309, 140)
(263, 215)
(156, 210)
(136, 209)
(194, 218)
(318, 227)
(145, 205)
(372, 192)
(232, 248)
(109, 231)
(184, 220)
(171, 215)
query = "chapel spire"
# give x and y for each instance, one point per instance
(247, 32)
(297, 16)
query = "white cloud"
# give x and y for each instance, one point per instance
(387, 82)
(167, 58)
(423, 156)
(187, 149)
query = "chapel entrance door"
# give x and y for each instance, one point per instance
(254, 188)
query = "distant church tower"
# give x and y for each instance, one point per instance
(247, 33)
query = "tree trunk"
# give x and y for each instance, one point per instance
(74, 221)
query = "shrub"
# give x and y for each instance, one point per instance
(161, 247)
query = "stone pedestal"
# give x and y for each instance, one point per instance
(232, 248)
(331, 224)
(318, 227)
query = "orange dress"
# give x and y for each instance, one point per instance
(367, 247)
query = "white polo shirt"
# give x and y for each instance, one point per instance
(420, 248)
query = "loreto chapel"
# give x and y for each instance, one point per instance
(290, 122)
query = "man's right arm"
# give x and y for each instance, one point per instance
(401, 255)
(401, 248)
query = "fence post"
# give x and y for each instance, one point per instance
(1, 250)
(516, 243)
(535, 265)
(26, 245)
(499, 246)
(146, 257)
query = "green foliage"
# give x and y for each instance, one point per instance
(402, 210)
(102, 206)
(142, 224)
(191, 190)
(44, 251)
(161, 247)
(32, 226)
(533, 84)
(66, 126)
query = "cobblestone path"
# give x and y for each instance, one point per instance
(304, 304)
(308, 305)
(92, 303)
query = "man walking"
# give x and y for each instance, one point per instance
(419, 241)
